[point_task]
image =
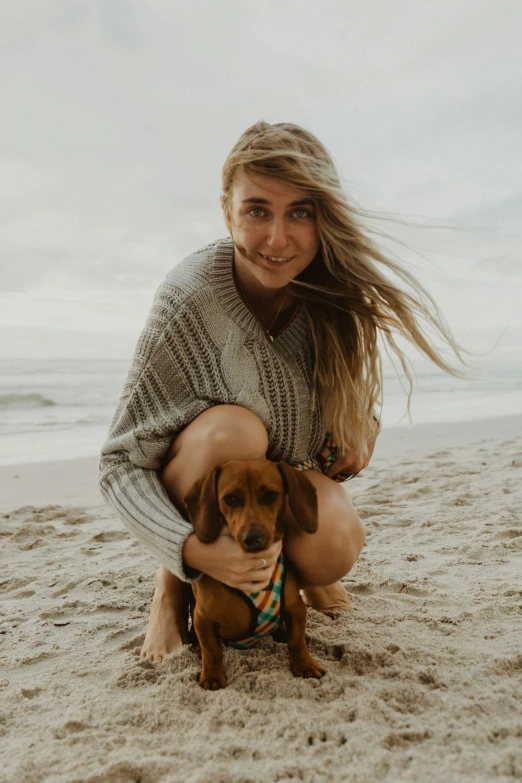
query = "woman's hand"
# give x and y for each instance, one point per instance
(350, 461)
(225, 561)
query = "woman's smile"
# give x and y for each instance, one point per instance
(276, 260)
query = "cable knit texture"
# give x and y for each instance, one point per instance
(201, 346)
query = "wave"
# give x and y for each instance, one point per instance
(25, 401)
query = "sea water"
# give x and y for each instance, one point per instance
(54, 409)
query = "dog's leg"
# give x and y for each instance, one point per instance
(213, 675)
(280, 634)
(301, 662)
(192, 611)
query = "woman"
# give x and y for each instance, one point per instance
(264, 344)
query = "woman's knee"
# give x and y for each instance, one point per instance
(352, 537)
(341, 547)
(347, 533)
(228, 430)
(331, 552)
(219, 434)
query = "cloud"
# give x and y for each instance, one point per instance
(117, 118)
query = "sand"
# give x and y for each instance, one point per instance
(424, 676)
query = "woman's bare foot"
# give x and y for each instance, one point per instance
(168, 620)
(330, 598)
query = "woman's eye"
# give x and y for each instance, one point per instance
(302, 213)
(257, 212)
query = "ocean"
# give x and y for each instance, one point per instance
(53, 409)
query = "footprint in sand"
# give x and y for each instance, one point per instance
(361, 588)
(66, 588)
(135, 642)
(402, 739)
(417, 493)
(31, 536)
(15, 583)
(65, 614)
(439, 454)
(111, 535)
(80, 612)
(78, 517)
(141, 673)
(410, 698)
(511, 666)
(464, 499)
(404, 588)
(71, 727)
(513, 533)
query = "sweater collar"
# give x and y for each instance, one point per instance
(288, 341)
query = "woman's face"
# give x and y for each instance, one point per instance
(273, 226)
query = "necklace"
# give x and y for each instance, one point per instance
(269, 336)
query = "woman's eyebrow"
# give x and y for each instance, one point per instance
(254, 200)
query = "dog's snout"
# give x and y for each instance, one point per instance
(254, 540)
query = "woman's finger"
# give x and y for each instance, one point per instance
(269, 555)
(259, 565)
(274, 550)
(249, 580)
(340, 464)
(334, 468)
(257, 574)
(253, 587)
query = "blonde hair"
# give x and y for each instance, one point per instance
(347, 298)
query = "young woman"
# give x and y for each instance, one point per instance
(264, 344)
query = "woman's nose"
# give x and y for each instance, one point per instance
(278, 235)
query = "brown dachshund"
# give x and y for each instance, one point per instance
(249, 497)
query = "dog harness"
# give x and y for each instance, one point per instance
(324, 460)
(265, 608)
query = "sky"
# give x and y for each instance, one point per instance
(116, 118)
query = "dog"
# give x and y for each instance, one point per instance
(249, 498)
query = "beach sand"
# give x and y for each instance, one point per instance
(424, 676)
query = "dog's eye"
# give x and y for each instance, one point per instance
(269, 497)
(232, 500)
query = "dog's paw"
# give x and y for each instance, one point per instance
(212, 681)
(308, 669)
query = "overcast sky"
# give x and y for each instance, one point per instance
(116, 118)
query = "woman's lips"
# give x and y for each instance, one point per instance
(276, 260)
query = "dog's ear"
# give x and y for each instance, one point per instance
(202, 507)
(302, 497)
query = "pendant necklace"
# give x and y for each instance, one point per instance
(269, 336)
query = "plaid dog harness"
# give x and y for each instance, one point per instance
(265, 608)
(324, 460)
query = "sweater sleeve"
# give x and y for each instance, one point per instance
(157, 401)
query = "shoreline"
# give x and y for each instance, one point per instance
(74, 481)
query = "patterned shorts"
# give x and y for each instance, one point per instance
(324, 460)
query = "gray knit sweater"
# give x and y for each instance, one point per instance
(201, 346)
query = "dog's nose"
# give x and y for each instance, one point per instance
(254, 540)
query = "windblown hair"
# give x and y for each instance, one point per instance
(347, 298)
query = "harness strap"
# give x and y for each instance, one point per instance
(265, 607)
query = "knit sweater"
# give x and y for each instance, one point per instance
(201, 346)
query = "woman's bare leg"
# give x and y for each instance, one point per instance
(219, 434)
(168, 619)
(323, 558)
